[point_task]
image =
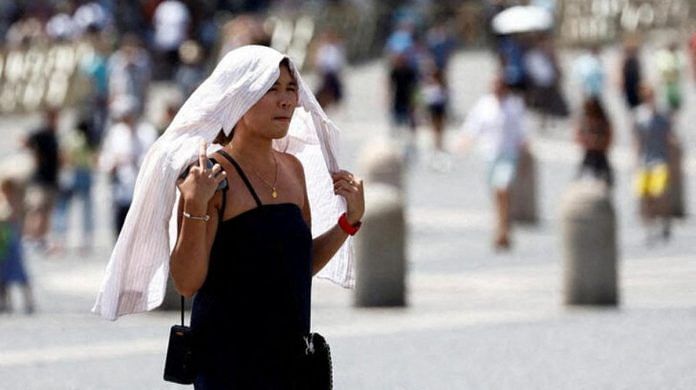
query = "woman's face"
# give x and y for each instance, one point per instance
(270, 117)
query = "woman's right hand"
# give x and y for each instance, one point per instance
(199, 186)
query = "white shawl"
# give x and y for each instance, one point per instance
(137, 272)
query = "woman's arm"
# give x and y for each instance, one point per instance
(325, 246)
(189, 259)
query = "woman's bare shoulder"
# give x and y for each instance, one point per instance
(293, 162)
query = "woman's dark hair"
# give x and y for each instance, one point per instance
(593, 109)
(222, 139)
(285, 61)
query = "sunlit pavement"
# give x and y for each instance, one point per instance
(475, 319)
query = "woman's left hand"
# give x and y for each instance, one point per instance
(351, 188)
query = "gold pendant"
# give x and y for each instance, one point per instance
(274, 194)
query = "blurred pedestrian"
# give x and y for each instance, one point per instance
(12, 270)
(403, 84)
(544, 76)
(653, 135)
(511, 51)
(171, 22)
(692, 52)
(79, 158)
(436, 97)
(589, 72)
(594, 134)
(244, 29)
(670, 64)
(122, 153)
(402, 42)
(43, 189)
(61, 27)
(441, 45)
(191, 71)
(631, 73)
(94, 69)
(93, 16)
(497, 123)
(171, 107)
(329, 61)
(130, 72)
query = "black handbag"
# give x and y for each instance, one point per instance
(179, 367)
(316, 371)
(314, 368)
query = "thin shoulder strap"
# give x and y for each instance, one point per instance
(242, 175)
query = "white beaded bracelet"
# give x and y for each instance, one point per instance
(204, 218)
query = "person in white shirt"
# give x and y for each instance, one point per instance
(496, 122)
(122, 154)
(171, 23)
(329, 60)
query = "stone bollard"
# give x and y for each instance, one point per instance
(589, 243)
(172, 299)
(380, 249)
(382, 162)
(675, 194)
(523, 197)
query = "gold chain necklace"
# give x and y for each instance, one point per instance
(274, 191)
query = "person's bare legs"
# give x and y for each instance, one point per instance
(438, 124)
(502, 205)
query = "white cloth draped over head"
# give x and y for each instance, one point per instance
(138, 269)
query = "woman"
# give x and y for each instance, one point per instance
(594, 134)
(247, 250)
(248, 328)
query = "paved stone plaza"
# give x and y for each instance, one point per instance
(475, 319)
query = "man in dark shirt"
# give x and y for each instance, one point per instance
(403, 82)
(43, 144)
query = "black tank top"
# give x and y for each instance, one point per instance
(254, 306)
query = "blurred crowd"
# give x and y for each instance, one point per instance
(529, 79)
(136, 43)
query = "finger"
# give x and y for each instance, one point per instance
(344, 193)
(345, 186)
(202, 155)
(216, 169)
(220, 177)
(349, 178)
(343, 175)
(342, 180)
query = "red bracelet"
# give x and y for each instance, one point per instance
(346, 226)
